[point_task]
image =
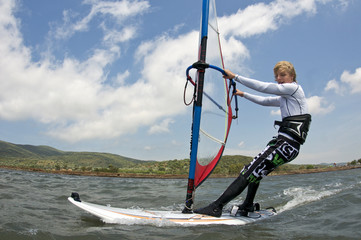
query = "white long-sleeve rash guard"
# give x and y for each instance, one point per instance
(290, 96)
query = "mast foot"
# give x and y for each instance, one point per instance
(187, 210)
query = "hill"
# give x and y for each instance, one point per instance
(51, 159)
(48, 159)
(45, 157)
(26, 151)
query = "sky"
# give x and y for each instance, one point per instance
(108, 76)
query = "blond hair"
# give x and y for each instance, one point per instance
(287, 67)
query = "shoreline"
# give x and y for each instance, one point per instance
(171, 176)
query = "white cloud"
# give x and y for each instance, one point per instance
(113, 37)
(349, 82)
(260, 18)
(163, 127)
(121, 77)
(157, 94)
(69, 95)
(319, 106)
(119, 10)
(335, 86)
(353, 80)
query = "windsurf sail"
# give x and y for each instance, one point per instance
(212, 111)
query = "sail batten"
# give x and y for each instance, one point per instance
(211, 137)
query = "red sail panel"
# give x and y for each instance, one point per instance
(202, 172)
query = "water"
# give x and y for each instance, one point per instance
(312, 206)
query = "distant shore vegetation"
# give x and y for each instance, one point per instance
(47, 159)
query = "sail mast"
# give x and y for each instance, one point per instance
(197, 107)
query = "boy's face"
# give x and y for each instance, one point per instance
(283, 77)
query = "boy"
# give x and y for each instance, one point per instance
(283, 148)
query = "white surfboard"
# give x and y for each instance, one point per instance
(139, 216)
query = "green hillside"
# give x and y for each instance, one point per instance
(9, 150)
(45, 157)
(50, 159)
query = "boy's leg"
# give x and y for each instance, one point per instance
(215, 208)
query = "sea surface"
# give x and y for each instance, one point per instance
(310, 206)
